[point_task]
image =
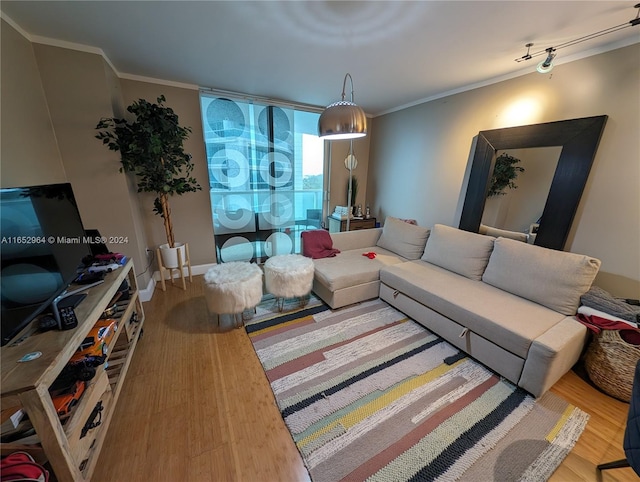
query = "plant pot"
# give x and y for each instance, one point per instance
(170, 255)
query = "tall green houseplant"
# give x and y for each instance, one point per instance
(151, 147)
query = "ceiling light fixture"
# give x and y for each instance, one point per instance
(342, 119)
(527, 56)
(547, 64)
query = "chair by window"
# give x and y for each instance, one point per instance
(313, 219)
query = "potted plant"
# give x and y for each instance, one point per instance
(504, 175)
(151, 147)
(354, 193)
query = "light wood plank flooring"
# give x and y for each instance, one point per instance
(196, 406)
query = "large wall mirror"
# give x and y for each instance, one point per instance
(567, 149)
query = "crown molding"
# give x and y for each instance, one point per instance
(10, 21)
(153, 80)
(37, 39)
(559, 60)
(524, 71)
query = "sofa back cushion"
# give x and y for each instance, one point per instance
(496, 233)
(555, 279)
(404, 239)
(462, 252)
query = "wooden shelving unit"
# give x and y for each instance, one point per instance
(68, 444)
(337, 225)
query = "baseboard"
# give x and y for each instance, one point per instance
(195, 271)
(202, 268)
(147, 293)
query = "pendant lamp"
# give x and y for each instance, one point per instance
(343, 119)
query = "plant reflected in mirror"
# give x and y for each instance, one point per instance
(505, 172)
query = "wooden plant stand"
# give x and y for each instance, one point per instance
(180, 268)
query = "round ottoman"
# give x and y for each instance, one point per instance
(288, 276)
(232, 288)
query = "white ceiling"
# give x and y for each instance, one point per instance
(398, 53)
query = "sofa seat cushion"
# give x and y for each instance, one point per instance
(507, 320)
(351, 268)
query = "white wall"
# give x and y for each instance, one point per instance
(419, 154)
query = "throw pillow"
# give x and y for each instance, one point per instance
(404, 239)
(459, 251)
(555, 279)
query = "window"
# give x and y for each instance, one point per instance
(266, 169)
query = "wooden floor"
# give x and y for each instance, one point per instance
(196, 406)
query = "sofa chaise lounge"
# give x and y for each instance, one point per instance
(509, 304)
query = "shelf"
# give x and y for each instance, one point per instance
(56, 346)
(71, 447)
(337, 225)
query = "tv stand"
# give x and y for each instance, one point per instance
(71, 444)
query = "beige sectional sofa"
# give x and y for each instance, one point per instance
(506, 303)
(351, 277)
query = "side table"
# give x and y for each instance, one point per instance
(337, 225)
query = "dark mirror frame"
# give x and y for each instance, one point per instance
(579, 139)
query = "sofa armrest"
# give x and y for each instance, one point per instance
(552, 354)
(361, 238)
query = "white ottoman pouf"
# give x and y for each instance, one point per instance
(232, 288)
(288, 276)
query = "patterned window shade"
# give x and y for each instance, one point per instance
(261, 193)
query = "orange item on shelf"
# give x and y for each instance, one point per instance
(64, 402)
(97, 340)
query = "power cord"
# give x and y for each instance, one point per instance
(152, 257)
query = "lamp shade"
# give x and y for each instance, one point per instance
(543, 67)
(342, 120)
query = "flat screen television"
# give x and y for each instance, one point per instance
(43, 243)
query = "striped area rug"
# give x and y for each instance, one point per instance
(371, 395)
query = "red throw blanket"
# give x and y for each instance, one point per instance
(597, 324)
(318, 244)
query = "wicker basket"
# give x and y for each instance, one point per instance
(610, 363)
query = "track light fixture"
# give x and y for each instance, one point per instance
(526, 56)
(547, 64)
